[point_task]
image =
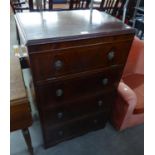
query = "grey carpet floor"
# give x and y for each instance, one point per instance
(106, 141)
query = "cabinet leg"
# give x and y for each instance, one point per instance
(27, 138)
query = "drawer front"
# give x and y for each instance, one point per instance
(78, 108)
(50, 64)
(74, 128)
(69, 90)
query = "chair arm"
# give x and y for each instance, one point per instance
(128, 95)
(126, 92)
(124, 106)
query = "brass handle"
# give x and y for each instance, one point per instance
(58, 64)
(100, 103)
(95, 121)
(60, 133)
(105, 81)
(60, 115)
(59, 92)
(20, 51)
(16, 50)
(111, 55)
(24, 50)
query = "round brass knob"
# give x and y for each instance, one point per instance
(58, 64)
(59, 92)
(60, 133)
(100, 103)
(105, 81)
(111, 55)
(95, 121)
(60, 115)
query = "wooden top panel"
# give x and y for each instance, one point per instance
(46, 27)
(17, 88)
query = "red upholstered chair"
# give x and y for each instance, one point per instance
(129, 106)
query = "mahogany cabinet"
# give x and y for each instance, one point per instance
(76, 64)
